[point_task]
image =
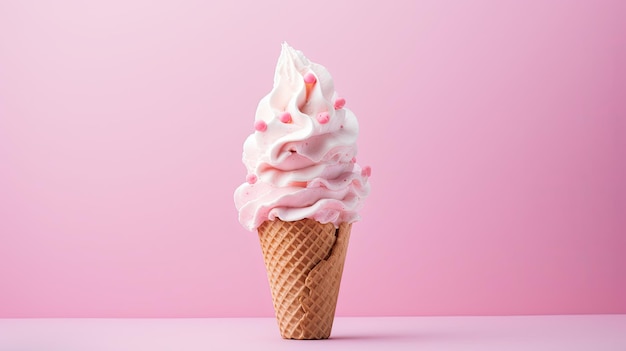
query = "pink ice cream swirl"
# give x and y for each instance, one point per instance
(301, 158)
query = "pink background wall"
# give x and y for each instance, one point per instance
(496, 131)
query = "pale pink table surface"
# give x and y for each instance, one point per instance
(590, 332)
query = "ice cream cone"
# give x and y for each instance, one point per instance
(304, 261)
(300, 164)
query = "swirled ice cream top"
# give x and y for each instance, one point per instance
(301, 157)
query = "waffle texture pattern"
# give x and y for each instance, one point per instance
(304, 261)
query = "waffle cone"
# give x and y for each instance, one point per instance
(304, 261)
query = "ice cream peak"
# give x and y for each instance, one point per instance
(301, 158)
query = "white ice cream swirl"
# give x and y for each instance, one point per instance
(300, 159)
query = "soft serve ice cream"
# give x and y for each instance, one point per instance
(301, 157)
(302, 193)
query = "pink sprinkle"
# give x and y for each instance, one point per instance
(285, 117)
(260, 126)
(309, 78)
(340, 103)
(251, 178)
(366, 171)
(353, 160)
(323, 117)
